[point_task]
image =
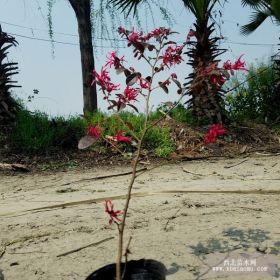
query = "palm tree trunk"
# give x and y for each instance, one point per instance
(206, 98)
(82, 10)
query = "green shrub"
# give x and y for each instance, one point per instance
(35, 133)
(256, 99)
(157, 139)
(32, 133)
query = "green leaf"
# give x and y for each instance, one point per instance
(275, 5)
(257, 18)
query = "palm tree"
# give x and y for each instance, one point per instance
(8, 106)
(263, 9)
(205, 97)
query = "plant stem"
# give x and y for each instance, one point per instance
(134, 167)
(128, 197)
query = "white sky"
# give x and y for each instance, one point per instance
(59, 79)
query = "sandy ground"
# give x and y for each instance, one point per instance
(183, 219)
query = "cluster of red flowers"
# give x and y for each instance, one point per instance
(172, 55)
(113, 60)
(214, 132)
(93, 131)
(237, 65)
(218, 76)
(217, 80)
(158, 33)
(129, 94)
(104, 81)
(135, 37)
(109, 209)
(119, 137)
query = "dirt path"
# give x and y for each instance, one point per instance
(183, 214)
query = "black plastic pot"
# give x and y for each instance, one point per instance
(135, 270)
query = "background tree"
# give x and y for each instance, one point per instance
(87, 15)
(82, 9)
(8, 106)
(205, 97)
(265, 9)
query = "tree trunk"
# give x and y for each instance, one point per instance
(206, 99)
(82, 10)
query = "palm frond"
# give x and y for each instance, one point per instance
(257, 19)
(190, 5)
(126, 5)
(253, 3)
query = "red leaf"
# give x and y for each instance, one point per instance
(132, 79)
(86, 142)
(177, 83)
(163, 86)
(133, 107)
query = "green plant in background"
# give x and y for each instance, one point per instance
(35, 133)
(255, 99)
(32, 133)
(180, 114)
(157, 140)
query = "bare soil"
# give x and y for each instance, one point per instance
(181, 214)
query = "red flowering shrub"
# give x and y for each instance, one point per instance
(167, 54)
(214, 132)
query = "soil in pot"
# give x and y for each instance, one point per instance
(135, 270)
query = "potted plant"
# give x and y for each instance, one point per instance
(160, 54)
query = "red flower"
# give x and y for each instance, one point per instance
(114, 60)
(213, 132)
(144, 84)
(134, 37)
(128, 95)
(109, 209)
(173, 55)
(237, 65)
(119, 137)
(93, 131)
(158, 33)
(104, 81)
